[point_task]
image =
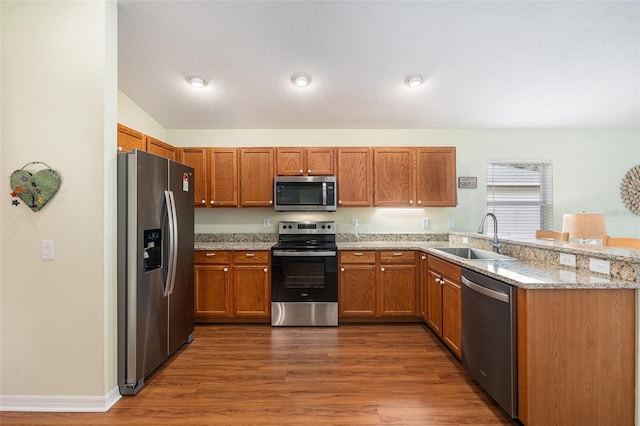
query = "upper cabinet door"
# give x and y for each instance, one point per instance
(290, 162)
(394, 178)
(197, 159)
(436, 177)
(223, 177)
(256, 177)
(160, 148)
(320, 161)
(129, 139)
(354, 177)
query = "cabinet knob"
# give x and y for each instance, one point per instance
(226, 269)
(339, 201)
(410, 201)
(301, 171)
(203, 202)
(424, 257)
(382, 269)
(419, 201)
(266, 269)
(270, 201)
(119, 148)
(341, 269)
(211, 202)
(309, 171)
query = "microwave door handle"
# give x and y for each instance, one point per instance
(324, 193)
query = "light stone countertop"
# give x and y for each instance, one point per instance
(530, 270)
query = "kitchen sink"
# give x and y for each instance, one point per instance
(473, 254)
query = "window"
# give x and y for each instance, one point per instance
(520, 195)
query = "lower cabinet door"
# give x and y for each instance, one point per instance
(251, 291)
(397, 290)
(358, 290)
(212, 291)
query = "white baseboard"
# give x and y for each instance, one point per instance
(60, 403)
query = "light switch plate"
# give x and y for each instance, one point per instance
(266, 222)
(599, 265)
(48, 250)
(425, 222)
(568, 259)
(450, 222)
(354, 221)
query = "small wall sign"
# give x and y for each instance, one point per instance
(467, 182)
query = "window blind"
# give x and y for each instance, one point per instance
(520, 195)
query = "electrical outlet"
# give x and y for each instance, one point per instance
(465, 240)
(425, 222)
(48, 249)
(568, 259)
(450, 223)
(599, 265)
(354, 221)
(266, 222)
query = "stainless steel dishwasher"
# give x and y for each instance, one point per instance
(489, 337)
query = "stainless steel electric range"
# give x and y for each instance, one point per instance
(304, 275)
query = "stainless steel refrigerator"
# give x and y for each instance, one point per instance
(155, 264)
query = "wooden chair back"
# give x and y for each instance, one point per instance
(621, 242)
(561, 236)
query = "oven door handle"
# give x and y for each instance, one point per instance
(281, 253)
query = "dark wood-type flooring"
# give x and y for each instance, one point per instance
(395, 374)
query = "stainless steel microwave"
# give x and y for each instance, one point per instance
(305, 193)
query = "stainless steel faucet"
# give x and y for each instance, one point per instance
(496, 243)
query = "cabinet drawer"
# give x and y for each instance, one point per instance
(397, 256)
(358, 256)
(444, 268)
(251, 257)
(211, 256)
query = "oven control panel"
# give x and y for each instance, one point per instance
(307, 227)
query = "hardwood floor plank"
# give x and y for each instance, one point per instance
(364, 374)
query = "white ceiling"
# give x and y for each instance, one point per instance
(562, 64)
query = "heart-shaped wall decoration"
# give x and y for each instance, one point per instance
(35, 190)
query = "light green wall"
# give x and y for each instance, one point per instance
(58, 98)
(588, 166)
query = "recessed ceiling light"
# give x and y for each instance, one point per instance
(414, 80)
(196, 81)
(301, 79)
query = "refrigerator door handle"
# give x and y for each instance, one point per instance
(173, 243)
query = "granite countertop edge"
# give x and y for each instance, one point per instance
(520, 273)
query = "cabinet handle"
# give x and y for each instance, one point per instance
(341, 269)
(226, 269)
(357, 254)
(397, 254)
(382, 269)
(203, 202)
(266, 270)
(250, 254)
(210, 254)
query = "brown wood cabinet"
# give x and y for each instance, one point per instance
(256, 177)
(436, 177)
(358, 290)
(129, 139)
(423, 303)
(444, 314)
(232, 286)
(216, 172)
(393, 177)
(354, 177)
(377, 284)
(212, 285)
(576, 357)
(157, 147)
(305, 161)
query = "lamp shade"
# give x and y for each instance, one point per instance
(584, 225)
